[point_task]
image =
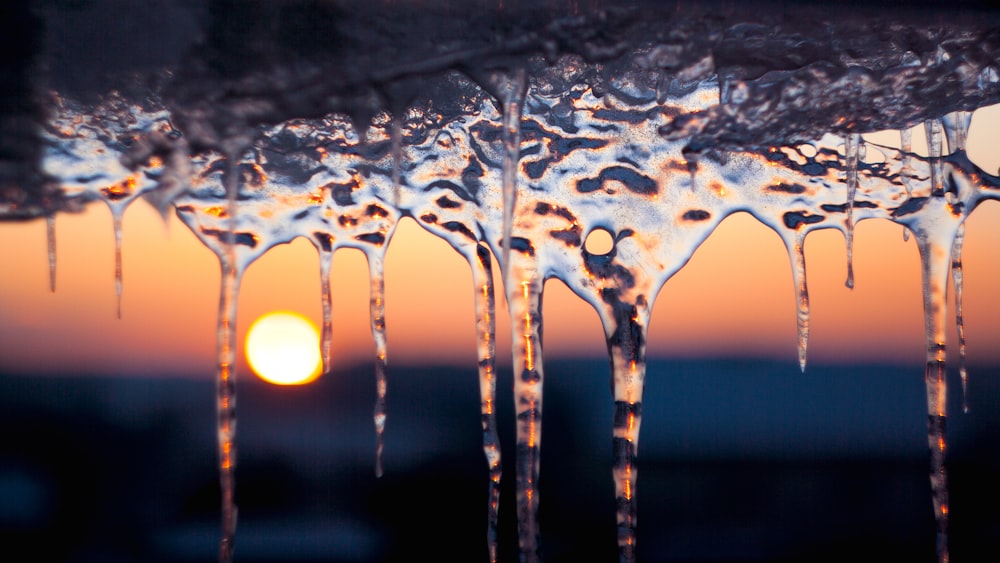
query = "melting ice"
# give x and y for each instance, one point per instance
(520, 159)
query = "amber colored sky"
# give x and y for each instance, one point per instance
(734, 298)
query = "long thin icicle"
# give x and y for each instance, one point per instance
(524, 300)
(625, 328)
(226, 368)
(513, 107)
(936, 261)
(851, 150)
(376, 272)
(956, 281)
(797, 256)
(325, 262)
(50, 240)
(116, 215)
(482, 278)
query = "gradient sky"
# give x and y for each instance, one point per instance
(734, 298)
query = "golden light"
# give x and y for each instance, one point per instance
(283, 348)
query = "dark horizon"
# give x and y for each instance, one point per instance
(753, 461)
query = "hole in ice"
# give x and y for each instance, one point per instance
(600, 242)
(890, 138)
(982, 141)
(807, 150)
(872, 155)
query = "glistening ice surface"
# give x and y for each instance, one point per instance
(650, 126)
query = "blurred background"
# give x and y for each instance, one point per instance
(107, 426)
(108, 449)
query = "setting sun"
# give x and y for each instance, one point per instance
(283, 348)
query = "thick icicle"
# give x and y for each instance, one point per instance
(956, 129)
(482, 277)
(50, 240)
(797, 256)
(956, 281)
(226, 368)
(625, 328)
(513, 107)
(936, 261)
(377, 296)
(524, 300)
(851, 150)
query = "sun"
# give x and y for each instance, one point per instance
(282, 347)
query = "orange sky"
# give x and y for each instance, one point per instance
(734, 298)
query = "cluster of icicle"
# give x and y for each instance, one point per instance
(524, 179)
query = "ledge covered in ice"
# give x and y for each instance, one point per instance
(512, 132)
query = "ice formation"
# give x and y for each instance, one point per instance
(515, 139)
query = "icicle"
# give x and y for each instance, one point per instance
(625, 328)
(851, 149)
(50, 236)
(482, 276)
(934, 151)
(905, 170)
(226, 369)
(956, 129)
(116, 215)
(325, 262)
(797, 256)
(513, 106)
(956, 280)
(935, 262)
(377, 278)
(524, 300)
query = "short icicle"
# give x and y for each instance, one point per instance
(956, 281)
(625, 329)
(50, 240)
(798, 259)
(906, 170)
(524, 300)
(851, 152)
(482, 277)
(376, 272)
(226, 369)
(935, 146)
(513, 108)
(935, 257)
(956, 129)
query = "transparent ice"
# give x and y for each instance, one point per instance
(521, 162)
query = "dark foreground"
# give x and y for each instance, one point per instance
(739, 461)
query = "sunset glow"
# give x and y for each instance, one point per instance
(283, 348)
